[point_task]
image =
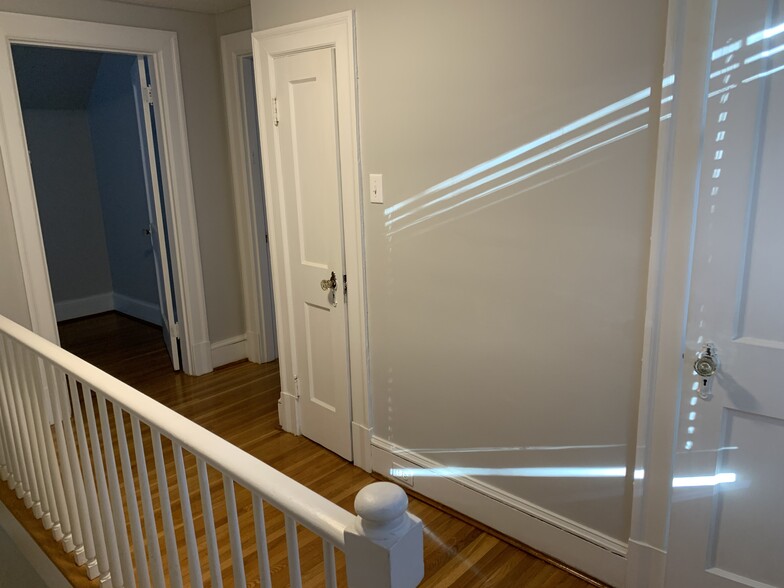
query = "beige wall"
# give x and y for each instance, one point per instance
(233, 21)
(507, 319)
(205, 116)
(13, 299)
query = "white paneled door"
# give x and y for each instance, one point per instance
(727, 525)
(309, 175)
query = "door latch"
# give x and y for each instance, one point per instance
(706, 365)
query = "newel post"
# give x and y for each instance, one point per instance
(384, 548)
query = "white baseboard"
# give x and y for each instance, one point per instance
(139, 309)
(361, 438)
(98, 303)
(78, 307)
(580, 547)
(29, 550)
(647, 565)
(287, 412)
(229, 351)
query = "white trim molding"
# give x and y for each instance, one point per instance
(229, 351)
(581, 547)
(330, 31)
(669, 273)
(139, 309)
(79, 307)
(161, 48)
(257, 301)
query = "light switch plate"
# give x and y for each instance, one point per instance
(376, 189)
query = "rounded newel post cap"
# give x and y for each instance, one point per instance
(381, 502)
(381, 509)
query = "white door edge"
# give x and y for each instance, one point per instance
(672, 238)
(161, 47)
(259, 324)
(330, 31)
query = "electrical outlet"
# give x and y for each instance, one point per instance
(402, 474)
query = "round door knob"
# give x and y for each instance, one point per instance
(705, 366)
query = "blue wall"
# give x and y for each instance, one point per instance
(118, 162)
(69, 206)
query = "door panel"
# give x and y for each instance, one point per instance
(157, 228)
(311, 184)
(727, 526)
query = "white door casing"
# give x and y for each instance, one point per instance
(161, 48)
(307, 58)
(727, 517)
(156, 228)
(249, 206)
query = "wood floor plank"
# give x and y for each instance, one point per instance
(239, 403)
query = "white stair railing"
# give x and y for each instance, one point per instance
(74, 446)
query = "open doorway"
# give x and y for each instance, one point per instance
(250, 203)
(90, 129)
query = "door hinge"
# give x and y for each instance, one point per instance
(174, 330)
(345, 285)
(147, 94)
(296, 387)
(275, 109)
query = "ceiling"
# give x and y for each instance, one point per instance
(54, 78)
(206, 6)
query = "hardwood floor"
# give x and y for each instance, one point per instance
(239, 403)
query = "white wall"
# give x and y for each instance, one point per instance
(510, 319)
(69, 205)
(202, 86)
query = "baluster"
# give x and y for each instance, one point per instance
(172, 554)
(209, 525)
(118, 513)
(330, 571)
(142, 571)
(58, 488)
(26, 390)
(384, 547)
(43, 432)
(9, 431)
(87, 555)
(74, 492)
(51, 519)
(194, 567)
(234, 531)
(30, 489)
(153, 546)
(107, 512)
(4, 471)
(89, 480)
(292, 545)
(261, 541)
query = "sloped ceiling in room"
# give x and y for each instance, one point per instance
(54, 79)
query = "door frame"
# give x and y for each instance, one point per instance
(161, 47)
(257, 302)
(665, 355)
(336, 31)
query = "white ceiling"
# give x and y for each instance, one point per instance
(206, 6)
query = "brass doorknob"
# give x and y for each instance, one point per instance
(330, 284)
